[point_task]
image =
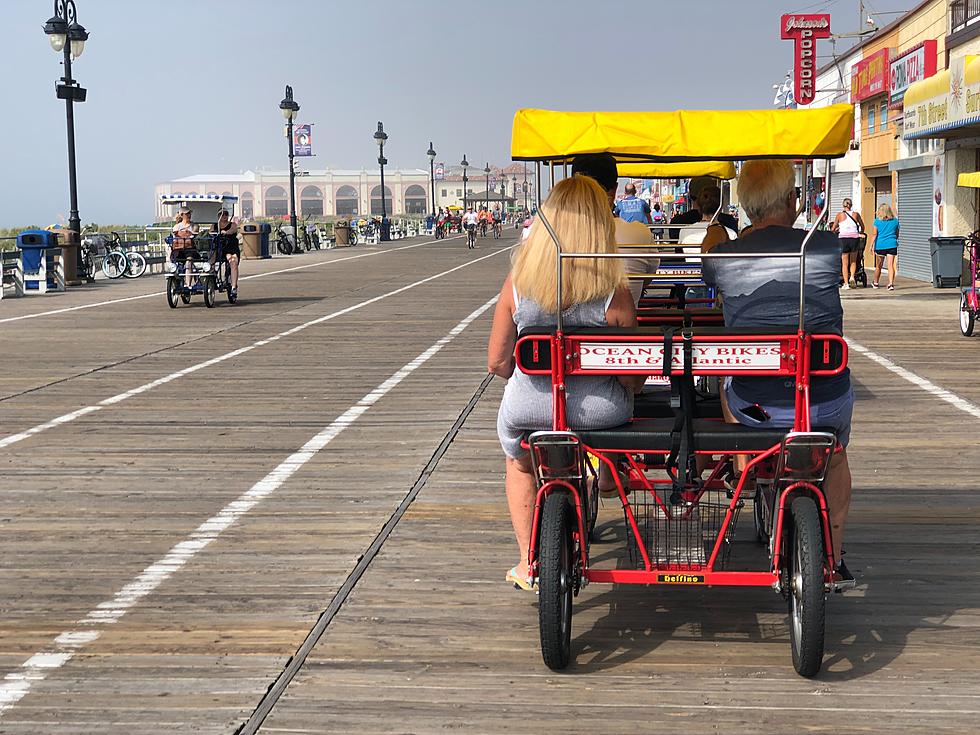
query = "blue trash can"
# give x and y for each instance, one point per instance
(32, 244)
(265, 231)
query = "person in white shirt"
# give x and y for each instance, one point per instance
(182, 249)
(470, 220)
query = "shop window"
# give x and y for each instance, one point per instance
(871, 119)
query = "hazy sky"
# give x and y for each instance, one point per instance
(178, 87)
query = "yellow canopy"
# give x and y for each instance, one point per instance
(683, 135)
(682, 170)
(971, 180)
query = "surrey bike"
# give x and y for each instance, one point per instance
(681, 529)
(970, 278)
(204, 276)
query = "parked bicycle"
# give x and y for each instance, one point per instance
(285, 241)
(118, 262)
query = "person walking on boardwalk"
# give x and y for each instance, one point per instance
(886, 245)
(850, 231)
(594, 293)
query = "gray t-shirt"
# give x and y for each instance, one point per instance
(765, 292)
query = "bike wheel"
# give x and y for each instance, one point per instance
(556, 569)
(173, 292)
(807, 601)
(967, 317)
(209, 292)
(282, 245)
(136, 265)
(232, 297)
(89, 263)
(114, 264)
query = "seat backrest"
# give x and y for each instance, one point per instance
(714, 351)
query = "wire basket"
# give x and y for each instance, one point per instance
(681, 537)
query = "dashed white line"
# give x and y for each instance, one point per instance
(926, 385)
(17, 684)
(112, 400)
(67, 309)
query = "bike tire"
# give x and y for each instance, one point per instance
(114, 264)
(173, 292)
(967, 317)
(209, 291)
(807, 602)
(136, 265)
(556, 581)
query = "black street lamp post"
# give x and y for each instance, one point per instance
(67, 35)
(486, 170)
(289, 109)
(465, 164)
(380, 137)
(431, 153)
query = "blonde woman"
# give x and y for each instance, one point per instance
(886, 245)
(850, 232)
(594, 293)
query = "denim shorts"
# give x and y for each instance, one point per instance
(835, 414)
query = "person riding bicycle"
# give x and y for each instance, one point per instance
(470, 220)
(484, 218)
(227, 231)
(182, 250)
(497, 218)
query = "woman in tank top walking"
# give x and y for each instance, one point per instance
(594, 293)
(850, 231)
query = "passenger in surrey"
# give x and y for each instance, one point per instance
(594, 293)
(764, 292)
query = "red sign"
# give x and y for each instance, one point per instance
(916, 64)
(870, 76)
(804, 30)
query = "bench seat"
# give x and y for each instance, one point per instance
(657, 406)
(654, 435)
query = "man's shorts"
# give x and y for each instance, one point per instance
(835, 414)
(851, 244)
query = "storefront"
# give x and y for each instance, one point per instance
(944, 109)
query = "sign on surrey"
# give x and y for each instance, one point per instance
(804, 30)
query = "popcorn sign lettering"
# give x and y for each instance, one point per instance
(804, 30)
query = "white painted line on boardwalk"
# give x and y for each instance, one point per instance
(69, 417)
(926, 385)
(17, 684)
(243, 278)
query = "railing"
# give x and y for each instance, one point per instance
(963, 13)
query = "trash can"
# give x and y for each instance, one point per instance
(341, 233)
(68, 241)
(265, 232)
(32, 244)
(251, 241)
(947, 260)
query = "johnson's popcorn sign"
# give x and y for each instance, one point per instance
(804, 30)
(727, 356)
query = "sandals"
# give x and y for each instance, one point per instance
(519, 582)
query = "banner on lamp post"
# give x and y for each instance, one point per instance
(804, 30)
(440, 172)
(303, 140)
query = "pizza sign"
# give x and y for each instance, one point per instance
(804, 30)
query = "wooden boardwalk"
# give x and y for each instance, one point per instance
(430, 639)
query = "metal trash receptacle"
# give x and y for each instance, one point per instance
(947, 260)
(341, 233)
(265, 233)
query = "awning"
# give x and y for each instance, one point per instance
(683, 170)
(943, 105)
(971, 180)
(683, 135)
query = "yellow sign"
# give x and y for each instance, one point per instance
(681, 578)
